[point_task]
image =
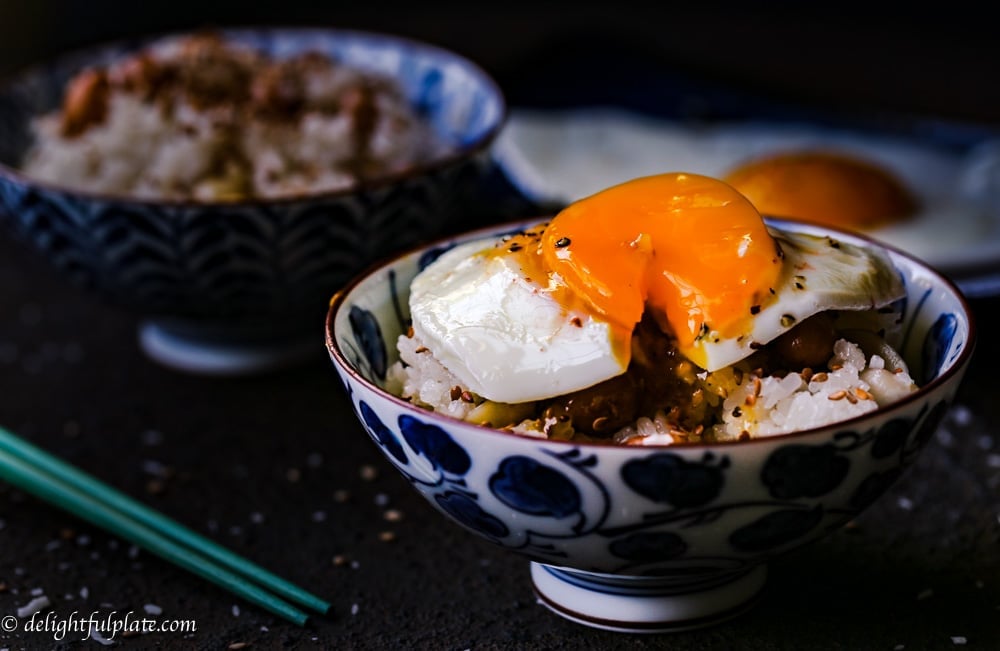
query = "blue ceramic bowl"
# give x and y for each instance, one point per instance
(647, 538)
(258, 268)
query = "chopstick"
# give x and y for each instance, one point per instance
(40, 473)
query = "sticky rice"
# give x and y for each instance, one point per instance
(198, 117)
(738, 402)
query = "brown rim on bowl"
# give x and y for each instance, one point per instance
(337, 300)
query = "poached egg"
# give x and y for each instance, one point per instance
(551, 310)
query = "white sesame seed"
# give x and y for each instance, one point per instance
(152, 437)
(96, 636)
(354, 609)
(236, 610)
(36, 605)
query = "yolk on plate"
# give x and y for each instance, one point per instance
(689, 246)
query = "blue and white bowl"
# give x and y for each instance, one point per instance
(253, 271)
(647, 538)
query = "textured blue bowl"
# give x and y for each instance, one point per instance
(261, 265)
(647, 538)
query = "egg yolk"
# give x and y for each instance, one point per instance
(688, 246)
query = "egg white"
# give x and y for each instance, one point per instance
(503, 336)
(508, 340)
(555, 157)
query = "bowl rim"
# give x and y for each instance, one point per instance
(453, 155)
(338, 300)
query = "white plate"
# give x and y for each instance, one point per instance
(557, 157)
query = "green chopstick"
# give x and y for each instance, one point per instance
(38, 472)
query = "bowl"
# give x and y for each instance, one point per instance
(647, 538)
(229, 286)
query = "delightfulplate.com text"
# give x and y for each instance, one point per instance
(82, 626)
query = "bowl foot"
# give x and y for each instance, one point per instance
(207, 352)
(642, 604)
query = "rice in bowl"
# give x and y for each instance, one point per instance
(205, 118)
(734, 403)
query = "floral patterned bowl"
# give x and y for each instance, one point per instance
(647, 538)
(230, 286)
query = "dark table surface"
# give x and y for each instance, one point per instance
(276, 468)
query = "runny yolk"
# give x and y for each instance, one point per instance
(688, 246)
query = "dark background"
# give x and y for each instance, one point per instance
(936, 60)
(276, 469)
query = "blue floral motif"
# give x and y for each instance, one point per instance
(381, 433)
(648, 547)
(775, 529)
(794, 471)
(432, 254)
(465, 509)
(891, 437)
(368, 336)
(436, 445)
(936, 345)
(930, 424)
(278, 262)
(873, 486)
(670, 479)
(528, 486)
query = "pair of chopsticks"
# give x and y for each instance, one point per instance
(35, 471)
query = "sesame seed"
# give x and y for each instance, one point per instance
(393, 515)
(862, 394)
(755, 309)
(368, 472)
(787, 320)
(339, 560)
(576, 321)
(386, 536)
(456, 392)
(837, 395)
(563, 242)
(236, 646)
(820, 377)
(421, 349)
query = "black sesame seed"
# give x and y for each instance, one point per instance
(737, 412)
(562, 242)
(514, 247)
(787, 320)
(754, 309)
